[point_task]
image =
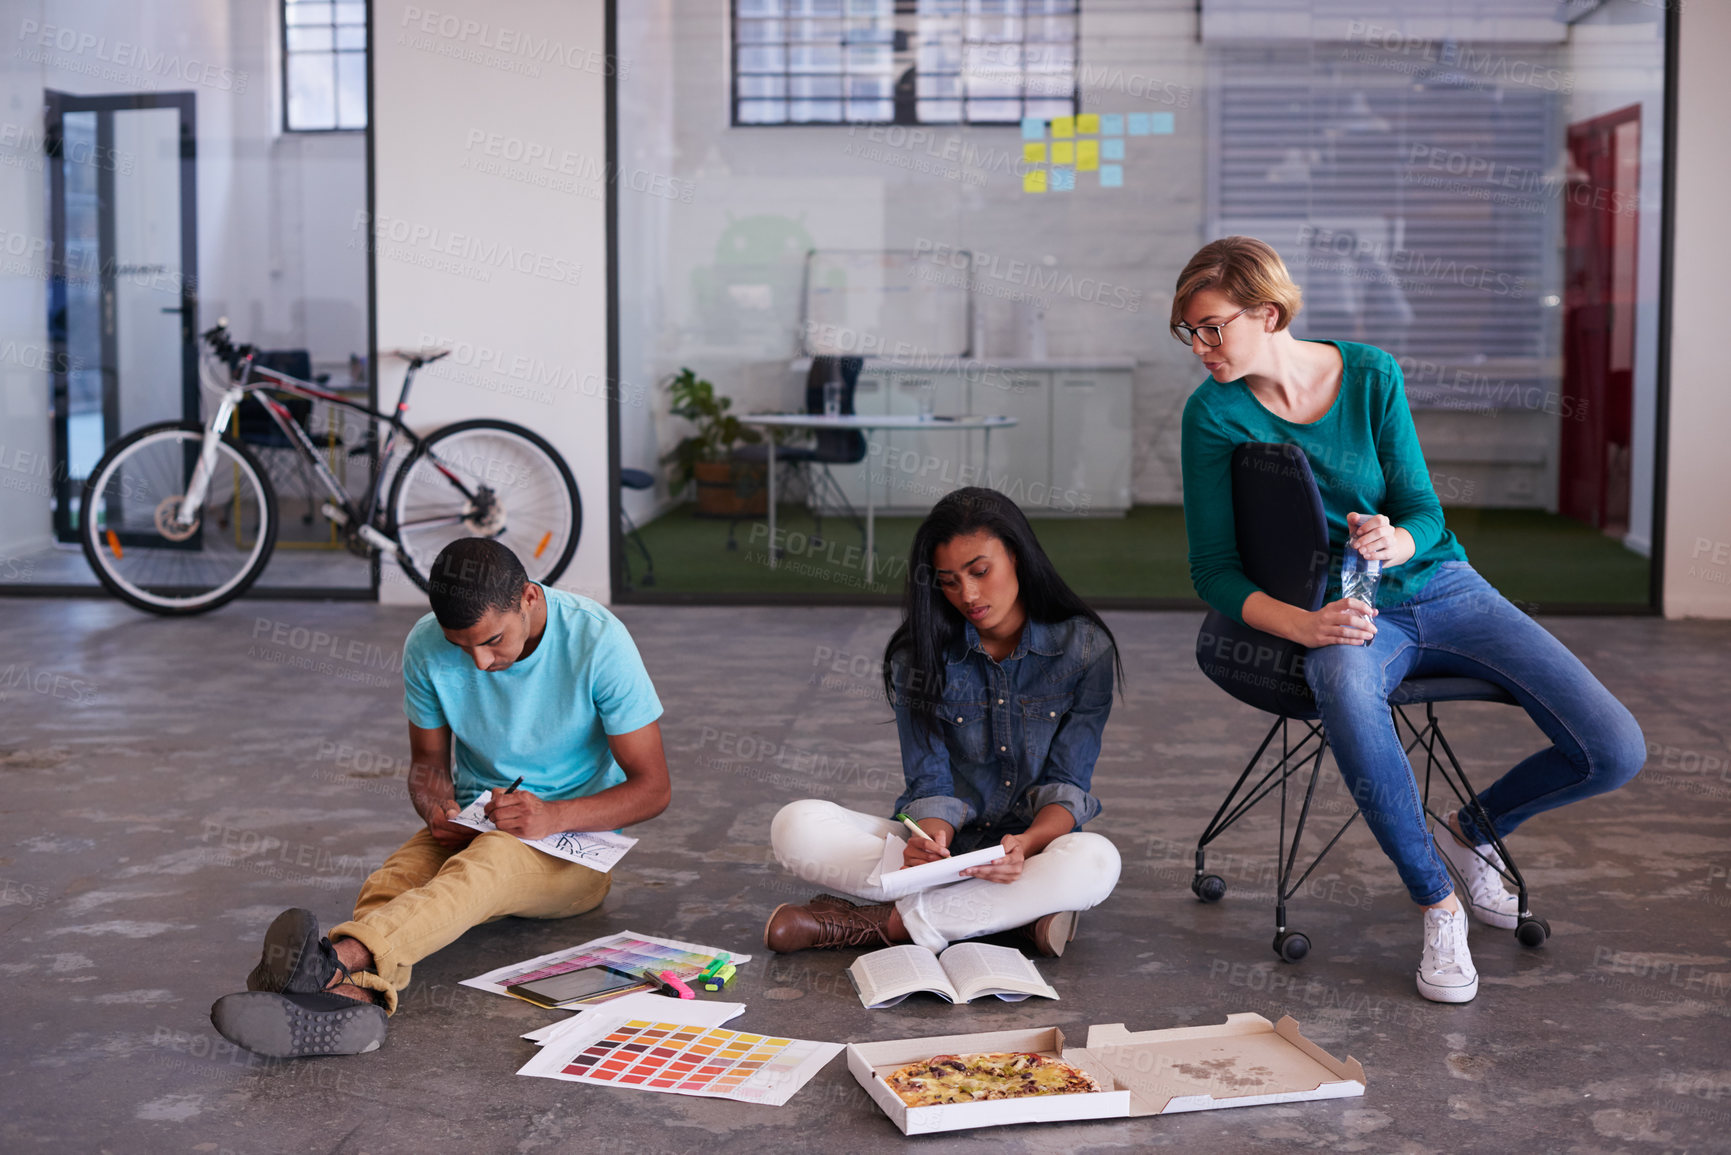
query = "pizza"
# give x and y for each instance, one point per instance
(989, 1075)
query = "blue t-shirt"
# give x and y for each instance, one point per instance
(546, 717)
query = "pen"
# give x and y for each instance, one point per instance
(914, 826)
(512, 788)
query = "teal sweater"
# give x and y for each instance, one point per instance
(1366, 457)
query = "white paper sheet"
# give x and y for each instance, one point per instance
(626, 950)
(596, 849)
(897, 880)
(644, 1004)
(778, 1067)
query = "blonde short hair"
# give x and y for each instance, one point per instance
(1247, 270)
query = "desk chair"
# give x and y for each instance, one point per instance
(830, 446)
(635, 479)
(1283, 544)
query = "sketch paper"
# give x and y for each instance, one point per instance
(643, 1005)
(596, 849)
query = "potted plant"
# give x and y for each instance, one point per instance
(725, 487)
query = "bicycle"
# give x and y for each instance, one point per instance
(180, 518)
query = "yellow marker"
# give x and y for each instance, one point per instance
(114, 544)
(1034, 180)
(545, 538)
(1034, 152)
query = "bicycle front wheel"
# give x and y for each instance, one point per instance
(486, 479)
(133, 538)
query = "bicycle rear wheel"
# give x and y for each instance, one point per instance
(142, 555)
(486, 479)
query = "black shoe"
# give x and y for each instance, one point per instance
(297, 1026)
(296, 959)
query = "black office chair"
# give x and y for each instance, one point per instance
(829, 447)
(1283, 544)
(635, 479)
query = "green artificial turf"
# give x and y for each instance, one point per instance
(1532, 556)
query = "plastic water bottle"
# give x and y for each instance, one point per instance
(1359, 577)
(832, 397)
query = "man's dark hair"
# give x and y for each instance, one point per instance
(471, 577)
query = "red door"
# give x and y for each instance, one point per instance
(1600, 219)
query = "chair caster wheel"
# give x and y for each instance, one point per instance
(1208, 887)
(1532, 932)
(1291, 946)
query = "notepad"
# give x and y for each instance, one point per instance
(896, 880)
(598, 849)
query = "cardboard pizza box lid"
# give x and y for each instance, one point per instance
(1245, 1061)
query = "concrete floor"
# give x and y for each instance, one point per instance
(170, 785)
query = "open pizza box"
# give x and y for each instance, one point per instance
(1244, 1062)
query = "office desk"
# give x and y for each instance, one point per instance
(863, 423)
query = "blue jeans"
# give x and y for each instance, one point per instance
(1460, 626)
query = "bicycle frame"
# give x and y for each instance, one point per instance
(246, 377)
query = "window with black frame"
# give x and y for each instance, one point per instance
(324, 66)
(903, 61)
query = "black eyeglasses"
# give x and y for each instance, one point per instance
(1189, 333)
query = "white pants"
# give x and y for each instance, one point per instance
(838, 849)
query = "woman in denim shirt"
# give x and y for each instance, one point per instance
(1001, 679)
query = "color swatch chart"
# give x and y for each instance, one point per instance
(684, 1059)
(626, 951)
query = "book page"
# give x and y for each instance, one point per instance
(977, 968)
(888, 976)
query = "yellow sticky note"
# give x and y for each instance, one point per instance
(1087, 155)
(1034, 153)
(1034, 180)
(1063, 126)
(1088, 123)
(1064, 152)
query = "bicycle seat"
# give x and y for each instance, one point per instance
(422, 356)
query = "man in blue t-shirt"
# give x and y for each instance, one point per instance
(535, 695)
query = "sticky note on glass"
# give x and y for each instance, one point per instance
(1111, 176)
(1034, 152)
(1063, 152)
(1161, 123)
(1033, 128)
(1112, 124)
(1063, 126)
(1063, 179)
(1138, 122)
(1087, 155)
(1112, 150)
(1088, 124)
(1034, 180)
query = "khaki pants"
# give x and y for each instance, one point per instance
(425, 896)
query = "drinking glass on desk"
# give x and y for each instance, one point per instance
(1359, 577)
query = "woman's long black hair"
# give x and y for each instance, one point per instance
(930, 624)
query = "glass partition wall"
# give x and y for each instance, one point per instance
(926, 213)
(155, 177)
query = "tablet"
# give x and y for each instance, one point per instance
(578, 986)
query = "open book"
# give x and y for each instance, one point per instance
(963, 973)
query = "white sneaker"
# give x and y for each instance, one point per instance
(1445, 972)
(1481, 887)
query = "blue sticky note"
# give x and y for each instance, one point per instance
(1033, 128)
(1111, 150)
(1161, 123)
(1139, 124)
(1112, 124)
(1111, 176)
(1063, 179)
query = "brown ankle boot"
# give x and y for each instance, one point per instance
(814, 927)
(1051, 934)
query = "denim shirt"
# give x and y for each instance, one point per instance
(1014, 736)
